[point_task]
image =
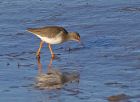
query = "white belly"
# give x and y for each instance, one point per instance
(55, 40)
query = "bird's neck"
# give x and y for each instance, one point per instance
(70, 36)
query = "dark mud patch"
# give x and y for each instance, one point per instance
(69, 49)
(13, 87)
(130, 9)
(116, 84)
(6, 90)
(21, 34)
(18, 55)
(119, 98)
(122, 98)
(73, 48)
(25, 65)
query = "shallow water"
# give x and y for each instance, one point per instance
(108, 63)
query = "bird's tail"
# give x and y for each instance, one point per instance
(30, 30)
(34, 31)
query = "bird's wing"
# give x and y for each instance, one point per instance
(49, 32)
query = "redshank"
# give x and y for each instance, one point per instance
(53, 35)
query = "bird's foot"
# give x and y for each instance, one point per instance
(53, 56)
(38, 55)
(49, 66)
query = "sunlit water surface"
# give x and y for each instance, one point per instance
(108, 64)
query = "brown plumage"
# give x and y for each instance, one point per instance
(49, 31)
(53, 35)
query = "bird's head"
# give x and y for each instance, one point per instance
(74, 36)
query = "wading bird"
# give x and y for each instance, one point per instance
(53, 35)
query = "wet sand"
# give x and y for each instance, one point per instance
(108, 63)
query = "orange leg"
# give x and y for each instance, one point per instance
(39, 49)
(39, 66)
(53, 55)
(50, 64)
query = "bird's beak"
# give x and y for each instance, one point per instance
(80, 43)
(79, 40)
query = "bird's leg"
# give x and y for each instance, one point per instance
(39, 66)
(50, 64)
(53, 55)
(39, 49)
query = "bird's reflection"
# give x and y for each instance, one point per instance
(54, 78)
(119, 98)
(40, 66)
